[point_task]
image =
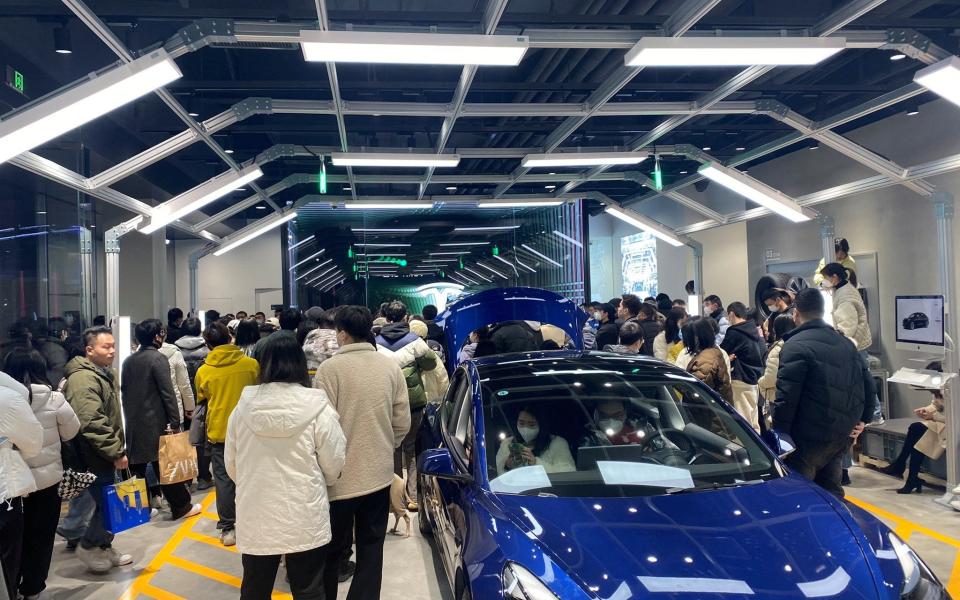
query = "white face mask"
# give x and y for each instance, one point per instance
(827, 284)
(596, 315)
(529, 433)
(611, 426)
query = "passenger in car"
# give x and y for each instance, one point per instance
(612, 426)
(533, 444)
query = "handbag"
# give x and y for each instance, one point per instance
(198, 426)
(76, 477)
(125, 504)
(178, 459)
(16, 479)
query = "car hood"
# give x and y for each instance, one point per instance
(779, 539)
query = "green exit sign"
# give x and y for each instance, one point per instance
(16, 80)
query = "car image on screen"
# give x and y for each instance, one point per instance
(917, 320)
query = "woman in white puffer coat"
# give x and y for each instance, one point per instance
(284, 446)
(41, 509)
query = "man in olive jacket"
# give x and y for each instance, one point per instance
(91, 391)
(824, 394)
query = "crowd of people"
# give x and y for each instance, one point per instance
(302, 421)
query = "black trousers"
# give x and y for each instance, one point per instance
(914, 433)
(368, 516)
(41, 514)
(305, 570)
(203, 463)
(177, 494)
(11, 543)
(821, 463)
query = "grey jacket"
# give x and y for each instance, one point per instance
(149, 403)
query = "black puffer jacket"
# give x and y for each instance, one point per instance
(515, 336)
(743, 341)
(823, 388)
(651, 329)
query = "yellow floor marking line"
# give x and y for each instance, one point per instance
(141, 585)
(210, 541)
(905, 528)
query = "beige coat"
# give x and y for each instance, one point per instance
(934, 441)
(368, 391)
(850, 316)
(768, 381)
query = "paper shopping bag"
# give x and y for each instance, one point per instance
(178, 458)
(125, 505)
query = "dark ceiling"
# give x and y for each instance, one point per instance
(215, 78)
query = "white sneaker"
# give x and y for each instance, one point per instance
(956, 490)
(96, 560)
(228, 537)
(955, 504)
(117, 558)
(194, 511)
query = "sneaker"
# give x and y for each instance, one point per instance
(154, 512)
(30, 597)
(72, 545)
(845, 478)
(117, 558)
(956, 490)
(204, 484)
(193, 511)
(228, 537)
(955, 504)
(346, 570)
(96, 560)
(155, 502)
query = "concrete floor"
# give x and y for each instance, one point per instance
(185, 560)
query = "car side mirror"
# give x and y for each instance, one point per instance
(780, 443)
(438, 462)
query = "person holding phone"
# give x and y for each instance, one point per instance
(533, 444)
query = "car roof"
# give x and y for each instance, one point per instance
(560, 360)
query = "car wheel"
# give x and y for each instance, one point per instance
(422, 523)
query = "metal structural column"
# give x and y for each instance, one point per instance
(827, 235)
(194, 275)
(697, 248)
(943, 210)
(111, 246)
(86, 275)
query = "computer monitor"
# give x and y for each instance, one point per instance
(919, 321)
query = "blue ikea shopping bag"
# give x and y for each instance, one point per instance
(125, 504)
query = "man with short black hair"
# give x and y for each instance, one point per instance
(713, 308)
(151, 410)
(745, 348)
(631, 339)
(174, 321)
(608, 333)
(260, 317)
(220, 380)
(368, 391)
(778, 302)
(91, 390)
(434, 331)
(629, 308)
(241, 315)
(649, 322)
(825, 394)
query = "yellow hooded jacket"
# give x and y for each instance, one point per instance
(220, 381)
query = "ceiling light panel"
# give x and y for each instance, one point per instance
(83, 103)
(257, 229)
(731, 51)
(758, 192)
(412, 48)
(531, 203)
(582, 159)
(394, 159)
(198, 197)
(644, 224)
(387, 205)
(942, 78)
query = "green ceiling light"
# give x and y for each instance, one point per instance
(442, 274)
(354, 267)
(495, 251)
(657, 174)
(403, 262)
(461, 262)
(350, 252)
(322, 177)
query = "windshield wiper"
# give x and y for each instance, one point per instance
(712, 486)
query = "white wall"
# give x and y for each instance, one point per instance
(227, 283)
(725, 263)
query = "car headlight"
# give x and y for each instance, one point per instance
(918, 582)
(521, 584)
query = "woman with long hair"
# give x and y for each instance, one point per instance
(41, 509)
(533, 444)
(284, 443)
(707, 361)
(247, 336)
(668, 342)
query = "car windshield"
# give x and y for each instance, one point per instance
(610, 427)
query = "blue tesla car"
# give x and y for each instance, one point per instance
(584, 475)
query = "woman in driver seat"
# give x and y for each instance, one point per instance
(533, 444)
